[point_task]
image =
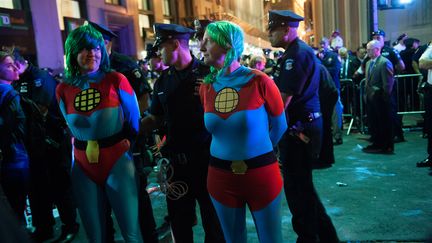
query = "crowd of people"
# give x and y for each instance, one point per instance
(238, 129)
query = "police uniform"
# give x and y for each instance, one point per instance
(138, 80)
(50, 177)
(297, 72)
(152, 52)
(188, 141)
(125, 65)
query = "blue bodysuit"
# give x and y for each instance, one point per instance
(244, 113)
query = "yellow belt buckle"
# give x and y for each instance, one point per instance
(239, 167)
(92, 151)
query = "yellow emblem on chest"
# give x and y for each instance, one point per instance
(87, 100)
(226, 100)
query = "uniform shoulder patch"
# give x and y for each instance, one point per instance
(38, 82)
(289, 64)
(137, 73)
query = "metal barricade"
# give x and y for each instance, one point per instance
(362, 105)
(349, 97)
(407, 98)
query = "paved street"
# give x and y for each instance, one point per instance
(386, 198)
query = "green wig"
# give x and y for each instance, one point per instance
(230, 37)
(83, 37)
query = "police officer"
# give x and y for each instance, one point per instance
(187, 146)
(129, 68)
(125, 65)
(50, 178)
(156, 64)
(331, 61)
(297, 76)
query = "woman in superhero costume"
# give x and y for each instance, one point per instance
(244, 113)
(102, 113)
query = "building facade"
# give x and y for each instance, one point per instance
(39, 27)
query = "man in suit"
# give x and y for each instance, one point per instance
(350, 63)
(379, 85)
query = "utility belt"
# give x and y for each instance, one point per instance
(296, 128)
(308, 117)
(239, 167)
(103, 143)
(181, 158)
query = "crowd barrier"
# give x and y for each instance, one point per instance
(407, 99)
(349, 98)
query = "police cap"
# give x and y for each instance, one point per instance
(404, 36)
(378, 32)
(164, 32)
(281, 18)
(200, 26)
(151, 52)
(106, 33)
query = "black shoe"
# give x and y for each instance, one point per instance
(321, 165)
(338, 141)
(425, 163)
(399, 139)
(374, 149)
(42, 235)
(163, 230)
(68, 233)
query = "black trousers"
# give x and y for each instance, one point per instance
(326, 156)
(428, 118)
(189, 176)
(309, 218)
(379, 112)
(15, 183)
(10, 229)
(50, 184)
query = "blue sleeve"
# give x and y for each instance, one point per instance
(129, 104)
(275, 109)
(278, 126)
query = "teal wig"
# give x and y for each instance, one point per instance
(230, 37)
(83, 37)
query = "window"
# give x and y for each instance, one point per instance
(116, 2)
(67, 8)
(143, 4)
(167, 21)
(231, 5)
(166, 8)
(144, 23)
(10, 4)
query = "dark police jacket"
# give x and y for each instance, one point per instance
(39, 86)
(129, 68)
(333, 65)
(42, 131)
(298, 71)
(174, 99)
